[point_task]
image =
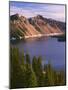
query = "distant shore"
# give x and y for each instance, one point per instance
(36, 36)
(42, 35)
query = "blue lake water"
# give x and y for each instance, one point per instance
(49, 48)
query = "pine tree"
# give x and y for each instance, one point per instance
(15, 67)
(50, 74)
(61, 78)
(39, 64)
(23, 67)
(34, 65)
(22, 59)
(30, 77)
(46, 80)
(17, 77)
(23, 74)
(40, 75)
(27, 58)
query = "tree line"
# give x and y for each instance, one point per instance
(26, 74)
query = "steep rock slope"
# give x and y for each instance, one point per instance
(21, 27)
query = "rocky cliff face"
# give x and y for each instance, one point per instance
(20, 26)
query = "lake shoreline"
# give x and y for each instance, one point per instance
(36, 36)
(44, 35)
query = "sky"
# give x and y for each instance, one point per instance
(29, 9)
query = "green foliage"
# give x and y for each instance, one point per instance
(34, 65)
(39, 63)
(60, 78)
(50, 74)
(40, 71)
(30, 76)
(27, 58)
(15, 68)
(24, 74)
(21, 75)
(23, 58)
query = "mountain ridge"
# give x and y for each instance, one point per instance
(22, 27)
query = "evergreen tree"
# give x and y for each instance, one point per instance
(61, 78)
(46, 80)
(30, 76)
(15, 67)
(17, 77)
(27, 58)
(23, 67)
(23, 75)
(50, 74)
(23, 59)
(34, 65)
(40, 75)
(39, 63)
